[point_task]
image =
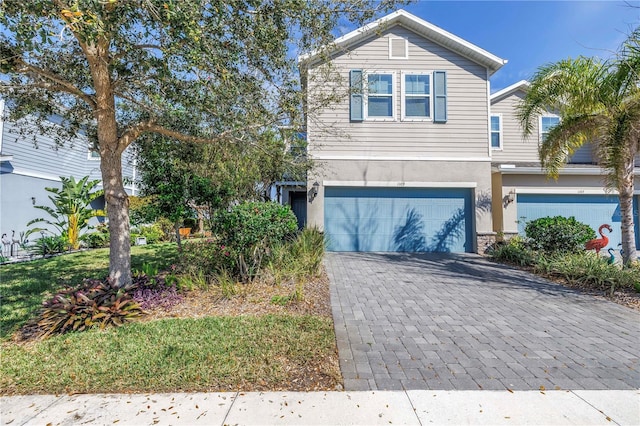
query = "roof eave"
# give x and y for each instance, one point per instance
(432, 32)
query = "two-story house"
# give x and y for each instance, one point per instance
(419, 156)
(404, 163)
(27, 168)
(523, 192)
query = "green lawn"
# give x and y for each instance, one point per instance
(24, 286)
(227, 353)
(271, 352)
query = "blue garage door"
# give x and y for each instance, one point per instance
(594, 210)
(398, 219)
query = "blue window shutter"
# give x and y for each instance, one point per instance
(440, 96)
(356, 102)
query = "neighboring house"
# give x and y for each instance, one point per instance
(523, 192)
(418, 156)
(405, 163)
(27, 168)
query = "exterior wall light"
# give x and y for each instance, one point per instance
(313, 192)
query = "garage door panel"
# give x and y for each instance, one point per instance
(397, 219)
(594, 210)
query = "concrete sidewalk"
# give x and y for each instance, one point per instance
(419, 407)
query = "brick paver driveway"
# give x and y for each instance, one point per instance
(461, 322)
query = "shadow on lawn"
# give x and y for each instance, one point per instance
(24, 286)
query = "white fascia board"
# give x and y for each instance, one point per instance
(511, 170)
(291, 183)
(566, 191)
(422, 27)
(398, 184)
(521, 85)
(394, 158)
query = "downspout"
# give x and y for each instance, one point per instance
(488, 114)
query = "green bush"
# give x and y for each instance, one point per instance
(46, 246)
(558, 234)
(514, 251)
(153, 233)
(250, 230)
(167, 228)
(97, 239)
(207, 258)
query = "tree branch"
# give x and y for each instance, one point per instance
(57, 83)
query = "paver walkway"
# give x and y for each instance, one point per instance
(458, 321)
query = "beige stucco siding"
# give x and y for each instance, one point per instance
(428, 174)
(540, 184)
(464, 135)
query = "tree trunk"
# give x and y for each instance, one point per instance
(628, 231)
(176, 227)
(117, 202)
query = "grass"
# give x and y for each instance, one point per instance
(24, 286)
(205, 354)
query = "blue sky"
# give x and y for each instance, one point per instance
(531, 33)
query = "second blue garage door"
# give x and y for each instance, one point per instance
(594, 210)
(398, 219)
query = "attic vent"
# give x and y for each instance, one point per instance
(398, 48)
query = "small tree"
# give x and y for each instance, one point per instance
(72, 208)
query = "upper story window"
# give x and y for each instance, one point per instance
(380, 99)
(496, 131)
(546, 124)
(372, 96)
(93, 155)
(416, 96)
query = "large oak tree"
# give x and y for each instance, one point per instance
(191, 70)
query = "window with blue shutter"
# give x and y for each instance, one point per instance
(440, 96)
(356, 101)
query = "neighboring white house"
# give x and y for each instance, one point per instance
(419, 156)
(27, 168)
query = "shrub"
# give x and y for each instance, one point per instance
(46, 246)
(151, 291)
(153, 233)
(94, 304)
(251, 229)
(515, 251)
(97, 239)
(166, 226)
(207, 257)
(558, 234)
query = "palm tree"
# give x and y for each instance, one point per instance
(72, 208)
(598, 102)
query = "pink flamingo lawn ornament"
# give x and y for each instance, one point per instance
(598, 244)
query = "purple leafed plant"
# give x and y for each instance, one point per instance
(159, 295)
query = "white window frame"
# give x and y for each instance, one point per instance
(366, 96)
(90, 156)
(403, 95)
(491, 132)
(540, 132)
(406, 48)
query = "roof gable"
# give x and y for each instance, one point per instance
(420, 27)
(501, 94)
